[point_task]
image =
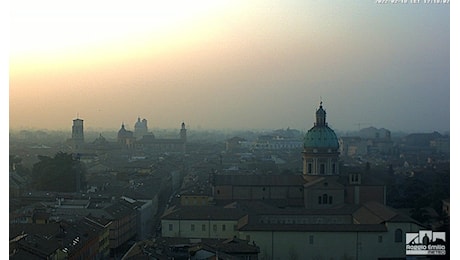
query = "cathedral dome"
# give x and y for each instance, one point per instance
(321, 135)
(122, 130)
(123, 133)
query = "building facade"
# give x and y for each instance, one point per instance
(201, 222)
(368, 231)
(141, 139)
(140, 128)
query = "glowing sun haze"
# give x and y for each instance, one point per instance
(228, 64)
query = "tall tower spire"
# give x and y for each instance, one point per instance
(183, 136)
(183, 132)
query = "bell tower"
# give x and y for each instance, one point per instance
(77, 134)
(183, 132)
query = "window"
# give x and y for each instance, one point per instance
(214, 228)
(398, 235)
(309, 168)
(192, 227)
(203, 227)
(170, 227)
(235, 227)
(322, 168)
(311, 239)
(319, 200)
(333, 168)
(330, 199)
(223, 227)
(324, 198)
(380, 239)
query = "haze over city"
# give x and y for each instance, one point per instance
(229, 64)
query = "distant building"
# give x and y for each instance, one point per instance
(368, 141)
(269, 142)
(151, 143)
(374, 133)
(77, 140)
(441, 145)
(353, 146)
(234, 144)
(141, 139)
(125, 138)
(77, 130)
(369, 231)
(201, 222)
(140, 128)
(183, 133)
(321, 148)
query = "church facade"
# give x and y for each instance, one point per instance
(142, 139)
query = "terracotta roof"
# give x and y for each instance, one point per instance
(375, 213)
(259, 180)
(329, 182)
(204, 213)
(232, 246)
(315, 227)
(259, 207)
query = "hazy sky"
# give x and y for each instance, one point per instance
(229, 64)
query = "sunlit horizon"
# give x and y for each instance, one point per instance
(229, 64)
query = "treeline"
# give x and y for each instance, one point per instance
(423, 189)
(61, 173)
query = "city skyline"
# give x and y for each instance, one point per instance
(230, 65)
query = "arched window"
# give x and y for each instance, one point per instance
(398, 235)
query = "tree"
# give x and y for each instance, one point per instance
(62, 173)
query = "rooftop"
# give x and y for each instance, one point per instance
(259, 180)
(203, 213)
